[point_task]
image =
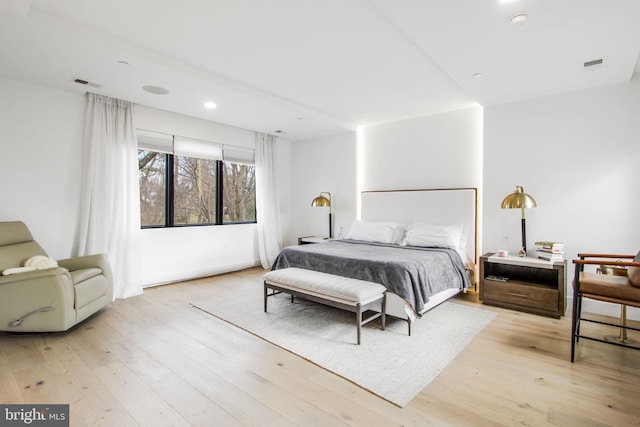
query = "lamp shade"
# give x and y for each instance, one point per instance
(518, 200)
(321, 202)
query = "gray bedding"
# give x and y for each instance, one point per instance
(412, 273)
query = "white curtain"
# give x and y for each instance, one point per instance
(269, 232)
(110, 204)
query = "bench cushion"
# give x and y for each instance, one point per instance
(319, 283)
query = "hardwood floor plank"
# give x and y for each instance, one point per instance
(87, 396)
(144, 405)
(283, 401)
(157, 337)
(160, 374)
(9, 388)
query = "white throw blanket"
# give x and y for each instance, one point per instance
(38, 262)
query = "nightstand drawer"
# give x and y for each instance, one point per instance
(541, 297)
(533, 285)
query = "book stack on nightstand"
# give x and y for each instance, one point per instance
(550, 251)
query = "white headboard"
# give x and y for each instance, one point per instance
(437, 206)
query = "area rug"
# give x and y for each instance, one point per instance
(388, 363)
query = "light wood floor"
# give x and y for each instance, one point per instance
(153, 360)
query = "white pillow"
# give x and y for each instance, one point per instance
(380, 232)
(439, 236)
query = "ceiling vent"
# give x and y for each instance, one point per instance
(593, 64)
(86, 83)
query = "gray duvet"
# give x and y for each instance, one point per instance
(412, 273)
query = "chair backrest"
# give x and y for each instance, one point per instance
(16, 244)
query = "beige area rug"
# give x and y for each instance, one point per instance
(388, 363)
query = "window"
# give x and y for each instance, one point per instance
(153, 187)
(189, 182)
(194, 183)
(239, 192)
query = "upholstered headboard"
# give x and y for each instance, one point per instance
(433, 206)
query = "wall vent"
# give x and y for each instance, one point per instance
(594, 63)
(86, 83)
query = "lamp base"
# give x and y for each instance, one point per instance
(622, 338)
(618, 339)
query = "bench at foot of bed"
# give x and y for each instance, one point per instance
(354, 295)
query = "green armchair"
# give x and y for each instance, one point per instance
(50, 299)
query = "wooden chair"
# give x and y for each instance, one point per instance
(616, 289)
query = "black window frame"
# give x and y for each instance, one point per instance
(169, 175)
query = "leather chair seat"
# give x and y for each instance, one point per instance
(609, 288)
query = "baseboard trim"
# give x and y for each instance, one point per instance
(214, 271)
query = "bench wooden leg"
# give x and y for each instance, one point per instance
(265, 296)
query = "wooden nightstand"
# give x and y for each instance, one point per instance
(532, 285)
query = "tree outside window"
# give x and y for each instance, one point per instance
(181, 190)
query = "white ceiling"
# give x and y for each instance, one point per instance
(318, 67)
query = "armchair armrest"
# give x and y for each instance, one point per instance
(606, 259)
(36, 274)
(588, 255)
(87, 261)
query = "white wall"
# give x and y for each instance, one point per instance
(438, 151)
(323, 164)
(40, 154)
(577, 154)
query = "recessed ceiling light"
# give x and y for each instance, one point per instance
(123, 64)
(477, 75)
(519, 19)
(210, 105)
(156, 90)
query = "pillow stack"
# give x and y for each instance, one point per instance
(416, 234)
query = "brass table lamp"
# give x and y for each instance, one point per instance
(323, 201)
(520, 200)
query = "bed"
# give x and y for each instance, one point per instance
(388, 246)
